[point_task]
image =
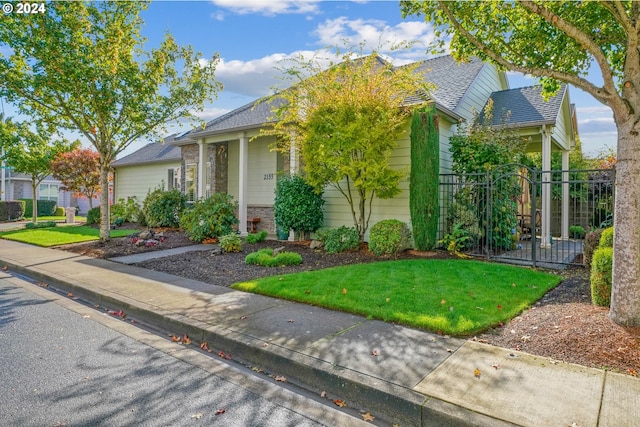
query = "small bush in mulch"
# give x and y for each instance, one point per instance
(266, 258)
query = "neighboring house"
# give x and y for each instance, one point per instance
(18, 186)
(154, 165)
(229, 154)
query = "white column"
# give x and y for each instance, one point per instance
(242, 184)
(201, 163)
(546, 188)
(565, 194)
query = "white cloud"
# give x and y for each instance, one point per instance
(599, 109)
(269, 7)
(375, 34)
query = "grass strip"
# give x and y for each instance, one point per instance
(63, 235)
(455, 297)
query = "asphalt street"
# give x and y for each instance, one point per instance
(61, 366)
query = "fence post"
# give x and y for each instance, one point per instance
(534, 192)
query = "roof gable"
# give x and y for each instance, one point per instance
(526, 106)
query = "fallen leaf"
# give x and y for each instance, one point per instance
(633, 372)
(204, 346)
(388, 299)
(243, 317)
(374, 352)
(495, 366)
(280, 379)
(444, 301)
(70, 295)
(499, 307)
(5, 268)
(185, 340)
(258, 370)
(197, 416)
(308, 291)
(220, 411)
(449, 350)
(323, 394)
(43, 285)
(513, 285)
(368, 417)
(344, 291)
(340, 403)
(174, 338)
(290, 321)
(476, 373)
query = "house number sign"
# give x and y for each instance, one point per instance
(268, 176)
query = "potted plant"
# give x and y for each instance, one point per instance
(577, 231)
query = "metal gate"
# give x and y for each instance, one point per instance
(499, 214)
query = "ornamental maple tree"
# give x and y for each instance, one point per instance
(562, 41)
(79, 172)
(83, 66)
(344, 122)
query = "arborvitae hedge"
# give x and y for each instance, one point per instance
(425, 168)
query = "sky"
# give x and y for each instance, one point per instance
(254, 37)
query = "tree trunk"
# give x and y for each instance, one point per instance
(625, 294)
(104, 203)
(34, 201)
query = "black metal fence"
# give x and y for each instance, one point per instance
(498, 214)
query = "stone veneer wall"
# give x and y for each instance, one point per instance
(190, 154)
(265, 213)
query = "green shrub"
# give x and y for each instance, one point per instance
(455, 241)
(606, 238)
(389, 236)
(93, 216)
(321, 233)
(163, 208)
(341, 239)
(127, 211)
(297, 205)
(265, 258)
(230, 242)
(59, 212)
(212, 217)
(601, 273)
(577, 231)
(44, 207)
(257, 237)
(425, 169)
(591, 243)
(12, 210)
(41, 224)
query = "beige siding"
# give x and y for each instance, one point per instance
(261, 172)
(487, 81)
(562, 130)
(138, 180)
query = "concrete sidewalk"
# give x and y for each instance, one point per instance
(399, 374)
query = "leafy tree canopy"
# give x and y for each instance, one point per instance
(83, 66)
(79, 172)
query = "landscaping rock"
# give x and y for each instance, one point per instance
(316, 244)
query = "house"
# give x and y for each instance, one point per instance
(230, 155)
(18, 185)
(154, 165)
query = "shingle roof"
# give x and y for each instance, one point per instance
(451, 79)
(154, 152)
(526, 105)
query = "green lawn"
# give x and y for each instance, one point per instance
(58, 218)
(63, 235)
(456, 297)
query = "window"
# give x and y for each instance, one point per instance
(174, 179)
(48, 192)
(190, 180)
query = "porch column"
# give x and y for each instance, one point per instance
(201, 176)
(242, 184)
(545, 228)
(565, 194)
(294, 165)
